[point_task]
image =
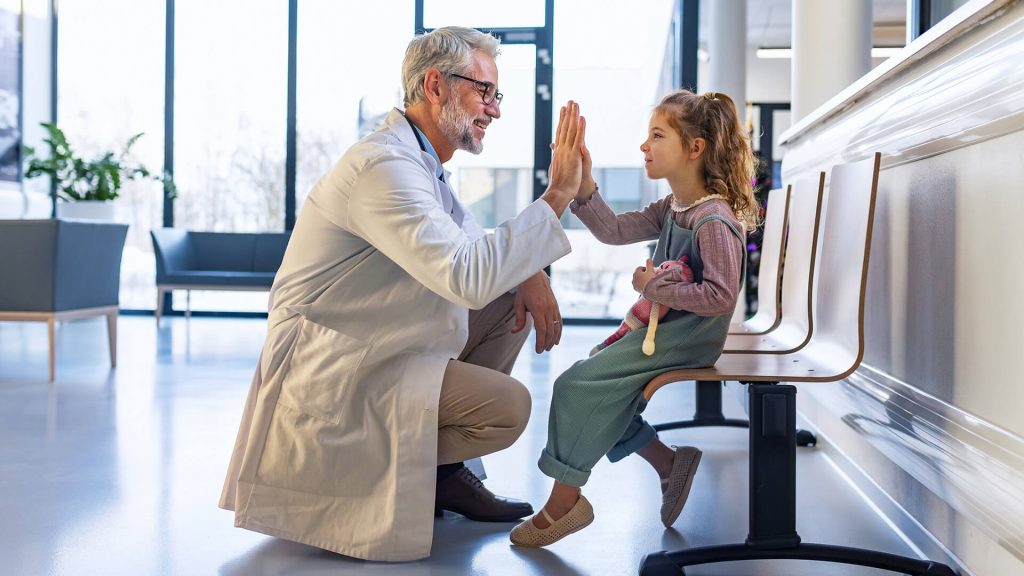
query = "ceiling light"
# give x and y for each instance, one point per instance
(774, 53)
(785, 53)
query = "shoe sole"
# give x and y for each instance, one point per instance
(685, 494)
(439, 512)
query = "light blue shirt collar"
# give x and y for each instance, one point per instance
(430, 150)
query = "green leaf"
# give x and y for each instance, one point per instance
(78, 179)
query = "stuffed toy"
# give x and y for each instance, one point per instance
(647, 313)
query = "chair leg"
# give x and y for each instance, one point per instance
(112, 337)
(709, 410)
(709, 413)
(772, 523)
(50, 328)
(188, 304)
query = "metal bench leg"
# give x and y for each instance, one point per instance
(709, 410)
(772, 529)
(709, 413)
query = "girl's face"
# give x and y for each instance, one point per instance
(664, 153)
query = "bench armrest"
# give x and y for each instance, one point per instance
(172, 251)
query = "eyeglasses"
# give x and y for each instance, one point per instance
(488, 92)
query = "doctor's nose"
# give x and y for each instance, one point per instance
(493, 109)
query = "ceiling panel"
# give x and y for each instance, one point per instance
(769, 22)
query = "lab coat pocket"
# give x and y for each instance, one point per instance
(322, 371)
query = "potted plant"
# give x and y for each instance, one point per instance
(87, 188)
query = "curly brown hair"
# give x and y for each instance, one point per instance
(728, 159)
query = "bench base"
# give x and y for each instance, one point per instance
(772, 502)
(672, 563)
(709, 413)
(163, 289)
(51, 319)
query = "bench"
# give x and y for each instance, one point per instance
(793, 331)
(769, 277)
(187, 260)
(833, 353)
(792, 214)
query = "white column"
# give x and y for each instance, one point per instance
(831, 50)
(727, 50)
(727, 72)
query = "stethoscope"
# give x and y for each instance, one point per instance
(416, 133)
(423, 147)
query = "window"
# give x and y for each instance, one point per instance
(99, 110)
(474, 14)
(928, 13)
(349, 78)
(496, 184)
(230, 67)
(617, 84)
(229, 114)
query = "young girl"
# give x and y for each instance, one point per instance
(697, 144)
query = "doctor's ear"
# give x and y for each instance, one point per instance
(434, 85)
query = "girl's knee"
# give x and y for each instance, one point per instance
(568, 388)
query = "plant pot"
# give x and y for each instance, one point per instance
(102, 210)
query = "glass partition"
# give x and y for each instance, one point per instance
(229, 114)
(474, 14)
(617, 81)
(496, 184)
(349, 77)
(107, 92)
(230, 94)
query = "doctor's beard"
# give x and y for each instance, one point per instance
(457, 126)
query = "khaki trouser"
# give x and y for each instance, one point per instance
(482, 409)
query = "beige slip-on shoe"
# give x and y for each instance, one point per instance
(678, 483)
(576, 519)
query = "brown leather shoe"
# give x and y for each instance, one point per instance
(464, 493)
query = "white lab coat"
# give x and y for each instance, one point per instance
(338, 442)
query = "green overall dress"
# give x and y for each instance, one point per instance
(596, 403)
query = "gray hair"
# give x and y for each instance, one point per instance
(448, 49)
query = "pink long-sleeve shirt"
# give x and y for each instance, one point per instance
(721, 251)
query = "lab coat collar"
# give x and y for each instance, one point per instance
(403, 128)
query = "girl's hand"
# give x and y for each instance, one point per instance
(567, 159)
(642, 275)
(587, 184)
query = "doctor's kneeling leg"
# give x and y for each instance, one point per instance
(481, 410)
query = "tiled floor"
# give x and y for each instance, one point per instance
(118, 472)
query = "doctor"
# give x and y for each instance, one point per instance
(395, 323)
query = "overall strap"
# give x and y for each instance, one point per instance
(734, 230)
(723, 219)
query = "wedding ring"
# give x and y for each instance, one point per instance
(556, 321)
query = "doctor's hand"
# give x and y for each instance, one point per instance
(566, 172)
(535, 297)
(587, 184)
